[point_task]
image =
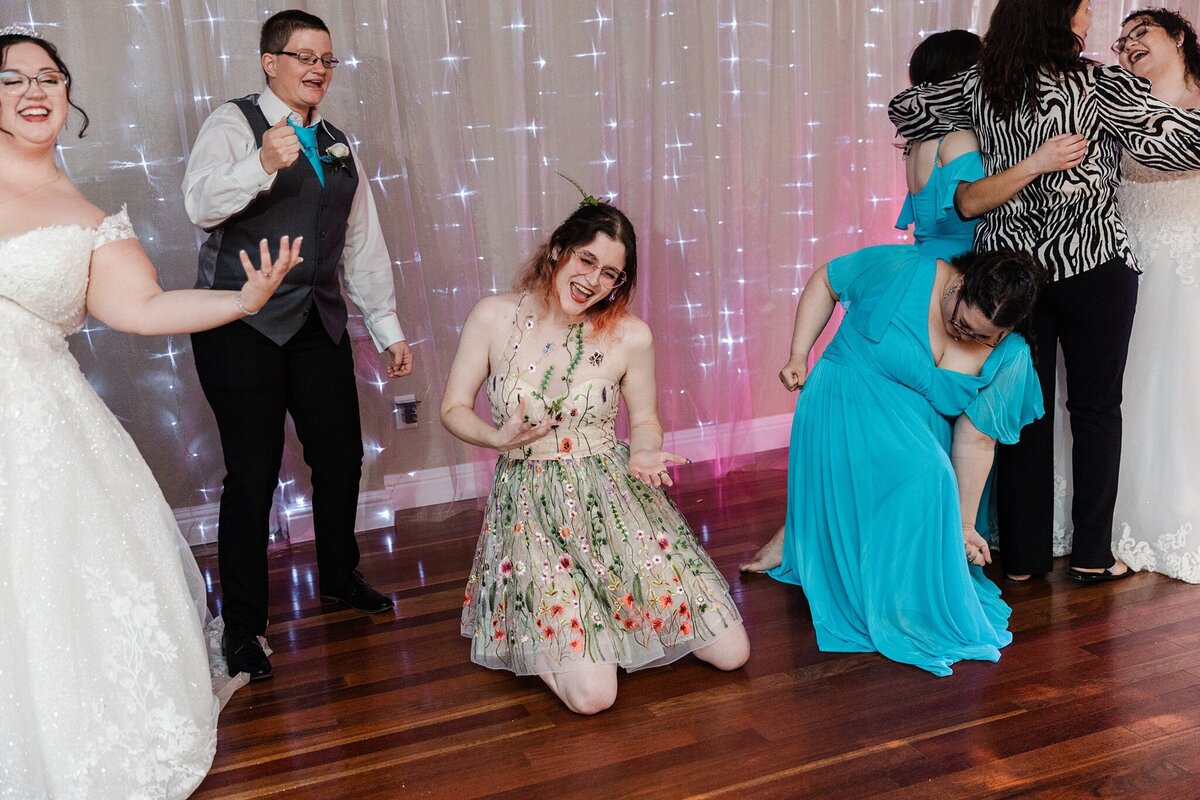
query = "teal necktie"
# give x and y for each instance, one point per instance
(308, 143)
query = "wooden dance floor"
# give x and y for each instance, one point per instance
(1099, 695)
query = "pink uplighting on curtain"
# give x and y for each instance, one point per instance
(748, 142)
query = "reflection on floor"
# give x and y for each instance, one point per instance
(1098, 696)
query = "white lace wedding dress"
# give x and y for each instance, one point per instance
(105, 681)
(1156, 526)
(1158, 499)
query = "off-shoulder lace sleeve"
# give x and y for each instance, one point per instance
(114, 228)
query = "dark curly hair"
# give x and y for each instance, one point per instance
(1004, 286)
(1178, 28)
(9, 39)
(537, 277)
(1024, 39)
(942, 55)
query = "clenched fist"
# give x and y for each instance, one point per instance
(280, 147)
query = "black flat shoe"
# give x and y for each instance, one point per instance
(1098, 577)
(361, 597)
(243, 653)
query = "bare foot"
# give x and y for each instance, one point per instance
(768, 557)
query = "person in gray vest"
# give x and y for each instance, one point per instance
(264, 165)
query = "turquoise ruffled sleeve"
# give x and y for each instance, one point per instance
(1012, 396)
(908, 213)
(871, 282)
(967, 168)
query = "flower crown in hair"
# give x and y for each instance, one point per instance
(19, 30)
(588, 200)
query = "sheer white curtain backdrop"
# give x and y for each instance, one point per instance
(747, 140)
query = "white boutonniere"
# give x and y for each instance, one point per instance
(336, 156)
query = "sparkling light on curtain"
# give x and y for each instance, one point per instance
(747, 140)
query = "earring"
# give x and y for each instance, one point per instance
(553, 256)
(612, 295)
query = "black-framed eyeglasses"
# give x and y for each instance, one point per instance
(966, 333)
(309, 59)
(610, 278)
(1134, 35)
(15, 84)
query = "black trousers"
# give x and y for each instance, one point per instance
(251, 384)
(1091, 316)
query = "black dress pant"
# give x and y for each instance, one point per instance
(251, 383)
(1091, 316)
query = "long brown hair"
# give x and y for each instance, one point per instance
(1024, 39)
(537, 276)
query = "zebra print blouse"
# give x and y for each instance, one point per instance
(1068, 220)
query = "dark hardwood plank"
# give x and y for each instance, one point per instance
(1099, 695)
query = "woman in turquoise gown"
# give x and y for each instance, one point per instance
(875, 530)
(891, 447)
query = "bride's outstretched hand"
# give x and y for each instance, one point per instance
(650, 466)
(261, 283)
(518, 431)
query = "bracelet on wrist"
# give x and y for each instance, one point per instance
(238, 300)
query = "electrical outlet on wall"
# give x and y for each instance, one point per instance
(405, 410)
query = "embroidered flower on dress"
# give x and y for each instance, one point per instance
(566, 445)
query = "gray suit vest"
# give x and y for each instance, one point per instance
(295, 205)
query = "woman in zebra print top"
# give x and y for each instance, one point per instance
(1031, 84)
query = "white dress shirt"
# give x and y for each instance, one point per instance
(224, 174)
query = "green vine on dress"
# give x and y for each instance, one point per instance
(555, 404)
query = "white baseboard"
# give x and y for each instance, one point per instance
(427, 487)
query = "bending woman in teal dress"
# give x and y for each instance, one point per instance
(893, 441)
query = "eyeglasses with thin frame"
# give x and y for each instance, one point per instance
(609, 278)
(1134, 35)
(309, 59)
(966, 333)
(15, 84)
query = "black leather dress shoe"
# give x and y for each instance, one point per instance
(1097, 577)
(243, 653)
(361, 597)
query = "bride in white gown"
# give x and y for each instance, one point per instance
(104, 664)
(1156, 524)
(1158, 499)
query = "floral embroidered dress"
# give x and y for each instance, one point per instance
(104, 668)
(579, 562)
